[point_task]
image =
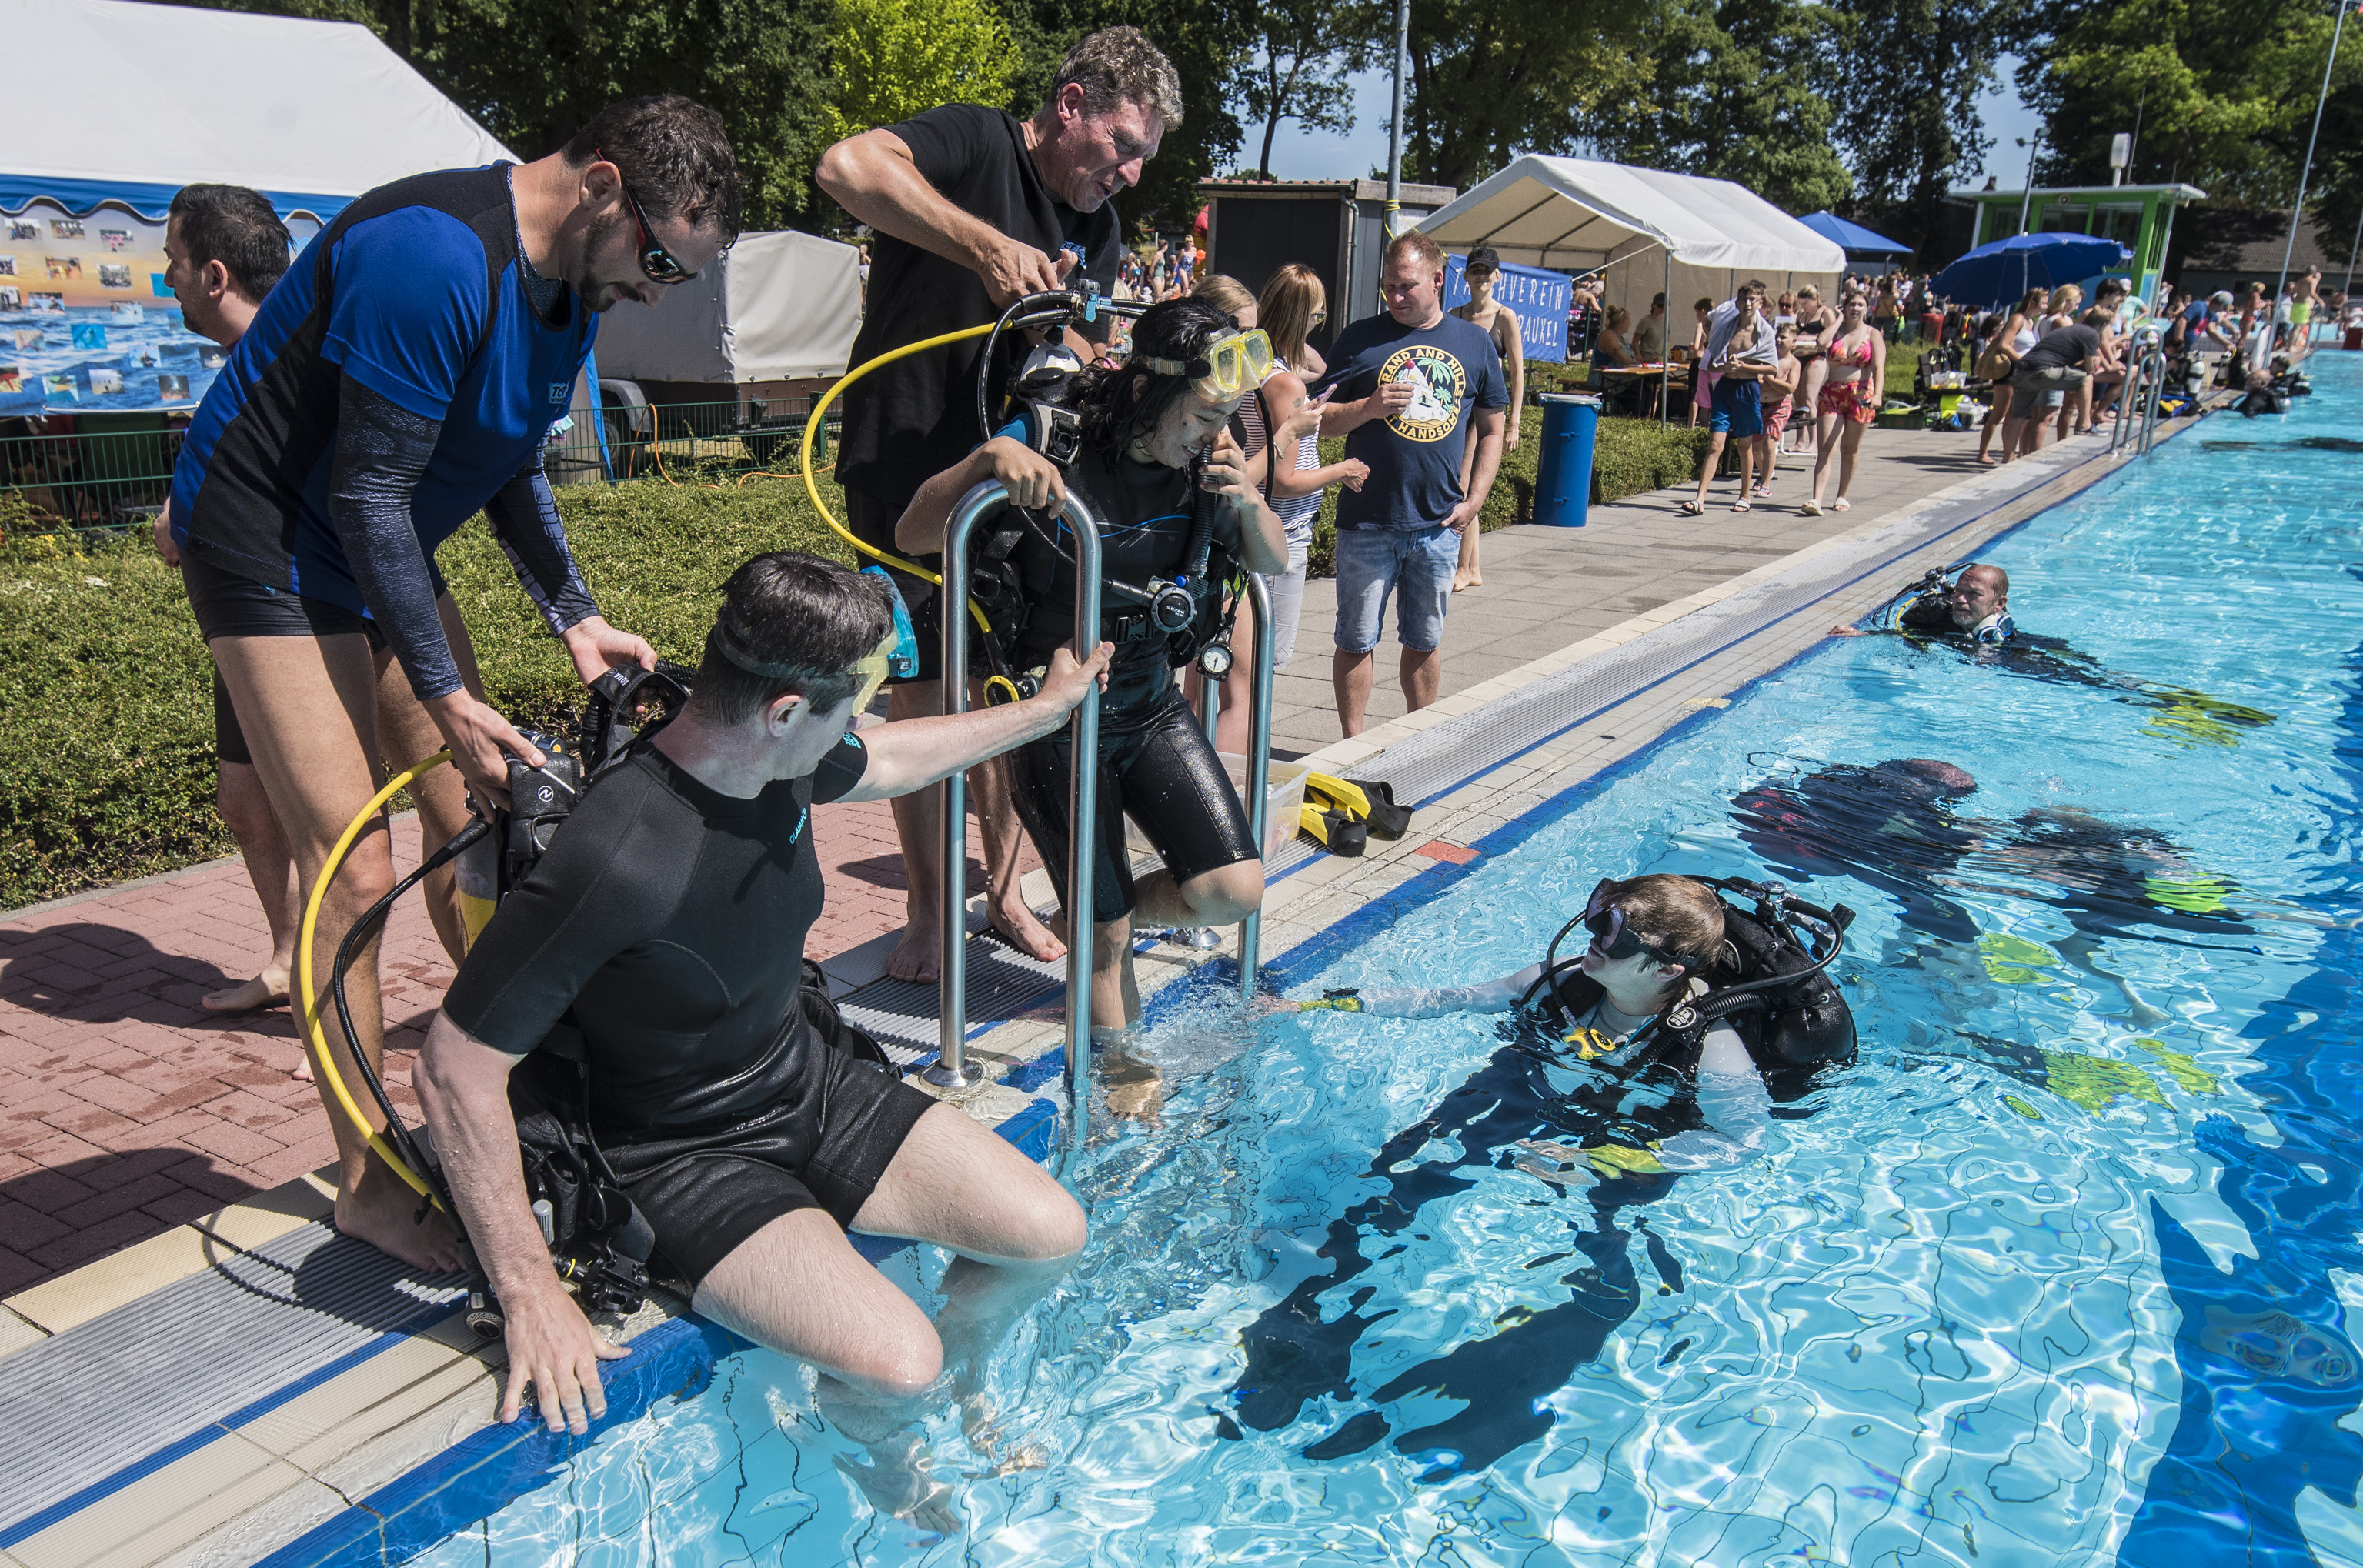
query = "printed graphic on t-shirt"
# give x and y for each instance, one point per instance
(1438, 386)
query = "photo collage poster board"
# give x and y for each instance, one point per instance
(87, 324)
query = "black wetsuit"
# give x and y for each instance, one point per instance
(2193, 715)
(1155, 762)
(1885, 831)
(1892, 834)
(669, 921)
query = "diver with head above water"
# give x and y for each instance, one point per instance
(1146, 446)
(1968, 607)
(1660, 1048)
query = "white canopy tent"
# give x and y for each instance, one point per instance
(1644, 230)
(131, 102)
(778, 307)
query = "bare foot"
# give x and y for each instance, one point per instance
(918, 956)
(1016, 924)
(1467, 580)
(303, 1073)
(385, 1212)
(266, 990)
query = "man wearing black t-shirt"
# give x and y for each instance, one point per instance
(666, 925)
(2061, 360)
(974, 208)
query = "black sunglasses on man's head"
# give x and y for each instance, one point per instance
(655, 260)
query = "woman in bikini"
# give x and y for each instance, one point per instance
(1500, 323)
(1849, 401)
(1815, 324)
(2014, 337)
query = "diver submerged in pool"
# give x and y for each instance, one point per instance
(1663, 1048)
(1971, 612)
(1893, 827)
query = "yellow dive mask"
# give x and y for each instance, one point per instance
(1226, 368)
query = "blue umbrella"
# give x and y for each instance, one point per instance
(1860, 243)
(1994, 276)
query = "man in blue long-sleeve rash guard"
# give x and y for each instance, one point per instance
(402, 376)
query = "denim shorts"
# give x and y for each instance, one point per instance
(1416, 564)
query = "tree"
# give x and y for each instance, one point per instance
(1494, 78)
(1304, 50)
(1739, 95)
(1205, 39)
(1907, 108)
(534, 71)
(2217, 97)
(895, 58)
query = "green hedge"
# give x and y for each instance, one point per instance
(106, 716)
(107, 753)
(1629, 456)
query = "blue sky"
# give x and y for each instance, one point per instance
(1296, 155)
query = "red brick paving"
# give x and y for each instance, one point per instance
(126, 1108)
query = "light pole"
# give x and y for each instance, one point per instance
(2306, 168)
(2026, 197)
(1394, 126)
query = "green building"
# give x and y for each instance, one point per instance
(2139, 217)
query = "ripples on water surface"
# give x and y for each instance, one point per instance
(2057, 1272)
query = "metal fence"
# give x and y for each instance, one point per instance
(103, 479)
(121, 478)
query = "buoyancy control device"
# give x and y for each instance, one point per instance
(1771, 988)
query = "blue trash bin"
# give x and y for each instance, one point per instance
(1563, 488)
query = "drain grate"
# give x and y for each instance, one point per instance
(106, 1395)
(902, 1015)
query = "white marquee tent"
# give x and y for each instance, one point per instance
(1644, 230)
(778, 307)
(126, 102)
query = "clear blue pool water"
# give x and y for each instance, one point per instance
(2061, 1271)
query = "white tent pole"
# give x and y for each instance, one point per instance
(1665, 377)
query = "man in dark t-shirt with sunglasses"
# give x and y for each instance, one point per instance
(975, 208)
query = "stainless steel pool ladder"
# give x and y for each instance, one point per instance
(951, 1069)
(1258, 785)
(2145, 385)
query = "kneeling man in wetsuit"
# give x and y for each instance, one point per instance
(666, 923)
(1170, 507)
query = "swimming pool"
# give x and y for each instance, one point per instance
(2058, 1271)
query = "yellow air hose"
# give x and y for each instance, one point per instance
(313, 1032)
(812, 430)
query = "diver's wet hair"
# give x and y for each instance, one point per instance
(789, 621)
(1674, 915)
(1119, 406)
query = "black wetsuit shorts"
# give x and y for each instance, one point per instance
(707, 1194)
(1161, 771)
(229, 605)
